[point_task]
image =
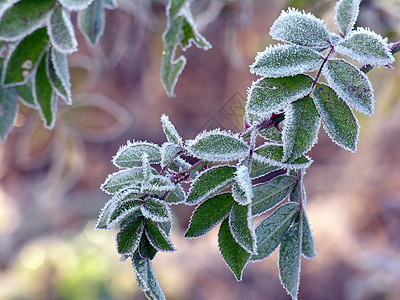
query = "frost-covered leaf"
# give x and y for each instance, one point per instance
(179, 165)
(157, 237)
(75, 4)
(298, 191)
(24, 17)
(176, 196)
(122, 210)
(123, 179)
(180, 30)
(272, 229)
(146, 278)
(259, 169)
(91, 21)
(25, 93)
(290, 260)
(335, 39)
(286, 60)
(302, 29)
(272, 154)
(168, 153)
(60, 65)
(366, 47)
(241, 225)
(131, 154)
(270, 193)
(271, 94)
(45, 97)
(346, 13)
(8, 110)
(337, 118)
(352, 85)
(156, 210)
(243, 180)
(307, 240)
(146, 249)
(108, 208)
(129, 237)
(157, 184)
(22, 60)
(301, 128)
(239, 195)
(235, 256)
(271, 133)
(170, 131)
(56, 82)
(209, 183)
(61, 31)
(208, 214)
(218, 146)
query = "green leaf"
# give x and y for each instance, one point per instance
(272, 94)
(176, 196)
(286, 60)
(61, 31)
(25, 93)
(56, 82)
(91, 21)
(302, 29)
(272, 154)
(168, 153)
(129, 237)
(122, 179)
(157, 184)
(108, 208)
(245, 184)
(241, 225)
(218, 146)
(23, 59)
(146, 278)
(270, 193)
(156, 210)
(60, 65)
(301, 128)
(208, 214)
(290, 260)
(209, 183)
(44, 95)
(131, 154)
(307, 240)
(294, 194)
(366, 47)
(158, 238)
(352, 85)
(146, 250)
(23, 18)
(272, 229)
(122, 210)
(8, 110)
(346, 13)
(337, 118)
(170, 131)
(75, 4)
(239, 195)
(235, 256)
(259, 169)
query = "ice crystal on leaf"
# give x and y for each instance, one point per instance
(76, 4)
(346, 13)
(241, 225)
(307, 240)
(170, 131)
(61, 31)
(157, 237)
(130, 155)
(244, 181)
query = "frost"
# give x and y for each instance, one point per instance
(272, 94)
(8, 110)
(270, 193)
(301, 128)
(366, 47)
(61, 31)
(301, 29)
(157, 184)
(176, 196)
(241, 226)
(239, 195)
(146, 167)
(170, 131)
(346, 13)
(208, 214)
(129, 237)
(131, 154)
(168, 153)
(352, 85)
(102, 222)
(244, 181)
(270, 231)
(122, 210)
(218, 146)
(60, 64)
(156, 210)
(286, 60)
(122, 179)
(210, 182)
(91, 20)
(259, 169)
(289, 260)
(337, 118)
(76, 4)
(233, 254)
(307, 240)
(158, 238)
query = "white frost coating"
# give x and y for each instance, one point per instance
(166, 238)
(149, 213)
(61, 31)
(105, 214)
(224, 151)
(98, 24)
(60, 64)
(346, 13)
(307, 242)
(112, 222)
(286, 60)
(168, 152)
(136, 155)
(122, 177)
(249, 224)
(11, 49)
(366, 47)
(156, 184)
(301, 28)
(146, 167)
(239, 195)
(170, 131)
(244, 181)
(76, 4)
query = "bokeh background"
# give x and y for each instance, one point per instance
(49, 180)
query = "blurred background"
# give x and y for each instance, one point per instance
(49, 180)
